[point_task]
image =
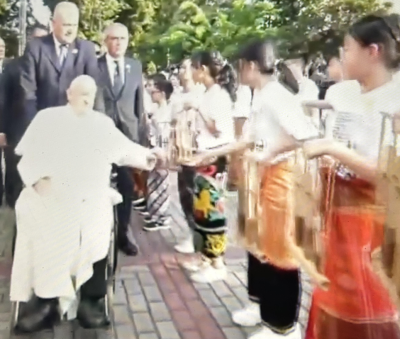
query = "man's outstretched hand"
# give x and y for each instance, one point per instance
(161, 157)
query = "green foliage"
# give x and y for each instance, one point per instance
(95, 15)
(302, 26)
(323, 23)
(151, 68)
(164, 31)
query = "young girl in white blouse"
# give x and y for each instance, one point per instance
(158, 195)
(215, 129)
(357, 303)
(186, 120)
(278, 122)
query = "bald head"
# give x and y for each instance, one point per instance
(116, 39)
(65, 22)
(81, 94)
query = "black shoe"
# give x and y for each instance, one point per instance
(128, 248)
(144, 213)
(140, 206)
(92, 314)
(151, 226)
(138, 202)
(39, 314)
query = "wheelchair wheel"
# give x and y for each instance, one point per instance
(15, 312)
(110, 272)
(14, 241)
(109, 300)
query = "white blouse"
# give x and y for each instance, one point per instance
(160, 126)
(148, 104)
(216, 105)
(277, 114)
(359, 118)
(178, 101)
(308, 90)
(242, 106)
(340, 97)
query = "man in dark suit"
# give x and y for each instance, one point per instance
(3, 140)
(123, 98)
(50, 63)
(12, 122)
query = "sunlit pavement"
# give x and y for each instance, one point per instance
(154, 299)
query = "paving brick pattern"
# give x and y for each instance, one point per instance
(154, 298)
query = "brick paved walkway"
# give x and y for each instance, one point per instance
(154, 298)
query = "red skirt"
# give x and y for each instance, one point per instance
(357, 305)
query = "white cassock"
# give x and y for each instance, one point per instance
(61, 235)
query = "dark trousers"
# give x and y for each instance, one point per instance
(1, 178)
(277, 291)
(125, 186)
(96, 286)
(13, 182)
(185, 188)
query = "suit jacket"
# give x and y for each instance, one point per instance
(3, 93)
(12, 121)
(125, 107)
(44, 82)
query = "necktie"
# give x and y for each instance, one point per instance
(117, 79)
(63, 54)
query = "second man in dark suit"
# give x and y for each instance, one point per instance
(50, 63)
(3, 140)
(13, 123)
(123, 99)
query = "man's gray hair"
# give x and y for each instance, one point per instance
(65, 7)
(115, 25)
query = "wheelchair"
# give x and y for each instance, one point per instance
(111, 267)
(112, 263)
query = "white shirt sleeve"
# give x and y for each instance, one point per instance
(34, 164)
(290, 116)
(308, 90)
(242, 106)
(329, 116)
(123, 152)
(220, 110)
(33, 167)
(248, 131)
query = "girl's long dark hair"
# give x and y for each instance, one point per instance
(263, 53)
(222, 72)
(286, 78)
(164, 86)
(383, 31)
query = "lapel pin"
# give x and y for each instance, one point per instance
(75, 51)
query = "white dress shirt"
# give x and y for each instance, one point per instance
(111, 67)
(57, 45)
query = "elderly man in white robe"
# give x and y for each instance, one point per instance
(65, 212)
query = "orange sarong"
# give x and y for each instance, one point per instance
(277, 214)
(357, 305)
